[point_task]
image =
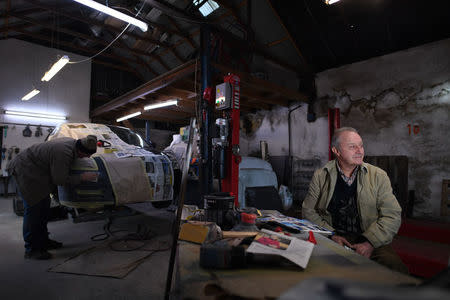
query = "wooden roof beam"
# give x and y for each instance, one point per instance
(144, 116)
(147, 88)
(71, 46)
(169, 10)
(260, 84)
(8, 9)
(272, 100)
(115, 66)
(234, 12)
(299, 53)
(187, 38)
(13, 26)
(80, 35)
(94, 22)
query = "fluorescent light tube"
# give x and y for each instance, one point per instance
(34, 115)
(128, 116)
(114, 13)
(31, 94)
(162, 104)
(55, 68)
(329, 2)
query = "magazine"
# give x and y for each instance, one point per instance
(294, 224)
(272, 243)
(301, 225)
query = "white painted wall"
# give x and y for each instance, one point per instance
(68, 93)
(380, 97)
(23, 64)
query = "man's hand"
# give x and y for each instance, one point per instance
(341, 241)
(89, 176)
(364, 249)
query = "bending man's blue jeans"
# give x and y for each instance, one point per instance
(35, 219)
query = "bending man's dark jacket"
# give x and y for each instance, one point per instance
(379, 211)
(41, 167)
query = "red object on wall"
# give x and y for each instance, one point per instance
(208, 95)
(231, 182)
(334, 122)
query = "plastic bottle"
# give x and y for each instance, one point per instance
(247, 223)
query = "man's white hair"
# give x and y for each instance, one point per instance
(337, 134)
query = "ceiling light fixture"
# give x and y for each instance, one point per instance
(34, 115)
(31, 94)
(128, 116)
(162, 104)
(114, 13)
(55, 68)
(329, 2)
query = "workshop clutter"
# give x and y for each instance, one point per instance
(250, 234)
(219, 208)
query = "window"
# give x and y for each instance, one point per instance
(207, 7)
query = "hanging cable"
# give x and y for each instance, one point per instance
(112, 42)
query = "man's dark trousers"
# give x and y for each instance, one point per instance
(35, 219)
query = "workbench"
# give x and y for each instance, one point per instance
(328, 260)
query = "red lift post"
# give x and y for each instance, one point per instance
(228, 100)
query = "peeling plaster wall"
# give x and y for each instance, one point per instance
(385, 98)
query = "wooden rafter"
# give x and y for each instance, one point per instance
(147, 88)
(16, 25)
(169, 10)
(78, 49)
(94, 22)
(187, 38)
(8, 8)
(263, 85)
(233, 11)
(82, 36)
(299, 53)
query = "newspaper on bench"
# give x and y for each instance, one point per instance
(272, 243)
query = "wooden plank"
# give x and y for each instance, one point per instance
(238, 234)
(260, 84)
(147, 88)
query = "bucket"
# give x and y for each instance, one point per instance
(216, 208)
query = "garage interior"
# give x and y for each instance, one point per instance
(303, 69)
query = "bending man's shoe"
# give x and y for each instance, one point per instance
(51, 244)
(37, 254)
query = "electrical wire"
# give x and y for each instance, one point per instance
(132, 241)
(197, 107)
(112, 42)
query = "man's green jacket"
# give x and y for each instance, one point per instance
(379, 211)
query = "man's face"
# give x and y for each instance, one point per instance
(350, 151)
(82, 154)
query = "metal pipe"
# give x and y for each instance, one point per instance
(289, 139)
(177, 221)
(147, 132)
(206, 163)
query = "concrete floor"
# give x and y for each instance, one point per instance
(29, 279)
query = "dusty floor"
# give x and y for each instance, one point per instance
(29, 279)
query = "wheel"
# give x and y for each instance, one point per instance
(18, 206)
